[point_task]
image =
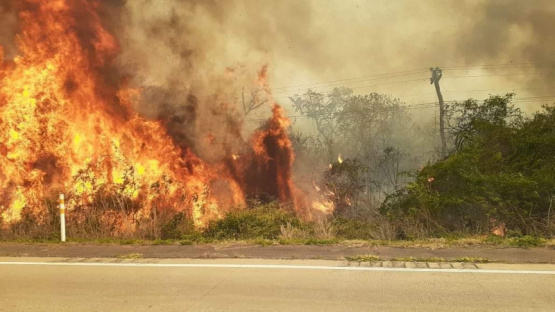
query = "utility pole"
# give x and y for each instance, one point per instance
(436, 77)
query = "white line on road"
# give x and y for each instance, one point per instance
(277, 266)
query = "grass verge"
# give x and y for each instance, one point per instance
(374, 258)
(264, 225)
(133, 255)
(432, 243)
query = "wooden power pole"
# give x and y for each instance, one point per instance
(436, 76)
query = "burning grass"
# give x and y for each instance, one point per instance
(263, 224)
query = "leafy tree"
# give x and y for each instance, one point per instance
(469, 118)
(502, 170)
(323, 112)
(374, 130)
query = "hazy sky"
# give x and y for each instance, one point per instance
(307, 42)
(346, 39)
(192, 44)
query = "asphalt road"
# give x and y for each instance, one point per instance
(266, 285)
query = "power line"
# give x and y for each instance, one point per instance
(474, 90)
(289, 93)
(296, 91)
(413, 80)
(411, 107)
(331, 83)
(500, 75)
(378, 76)
(366, 86)
(505, 65)
(500, 89)
(415, 71)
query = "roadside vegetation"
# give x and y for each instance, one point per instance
(374, 258)
(496, 186)
(264, 225)
(500, 175)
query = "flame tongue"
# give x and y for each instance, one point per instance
(270, 172)
(65, 124)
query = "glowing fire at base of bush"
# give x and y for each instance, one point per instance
(323, 206)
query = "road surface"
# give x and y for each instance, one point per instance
(64, 284)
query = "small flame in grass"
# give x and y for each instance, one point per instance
(340, 159)
(325, 206)
(235, 156)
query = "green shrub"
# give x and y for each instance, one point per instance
(514, 233)
(258, 223)
(527, 241)
(178, 227)
(353, 229)
(502, 168)
(494, 240)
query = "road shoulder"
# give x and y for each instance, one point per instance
(328, 252)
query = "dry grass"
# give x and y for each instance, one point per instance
(114, 220)
(439, 259)
(288, 232)
(373, 258)
(364, 258)
(323, 229)
(133, 255)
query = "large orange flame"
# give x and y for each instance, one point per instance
(67, 125)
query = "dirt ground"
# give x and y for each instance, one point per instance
(330, 252)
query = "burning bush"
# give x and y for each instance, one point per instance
(67, 124)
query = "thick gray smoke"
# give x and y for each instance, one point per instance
(505, 31)
(208, 48)
(8, 28)
(511, 29)
(193, 57)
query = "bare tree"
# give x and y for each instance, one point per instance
(257, 99)
(323, 111)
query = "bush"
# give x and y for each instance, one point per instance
(353, 229)
(527, 241)
(502, 170)
(178, 227)
(494, 240)
(263, 222)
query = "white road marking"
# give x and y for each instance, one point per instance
(277, 266)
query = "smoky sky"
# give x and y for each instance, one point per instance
(188, 46)
(8, 28)
(518, 30)
(214, 48)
